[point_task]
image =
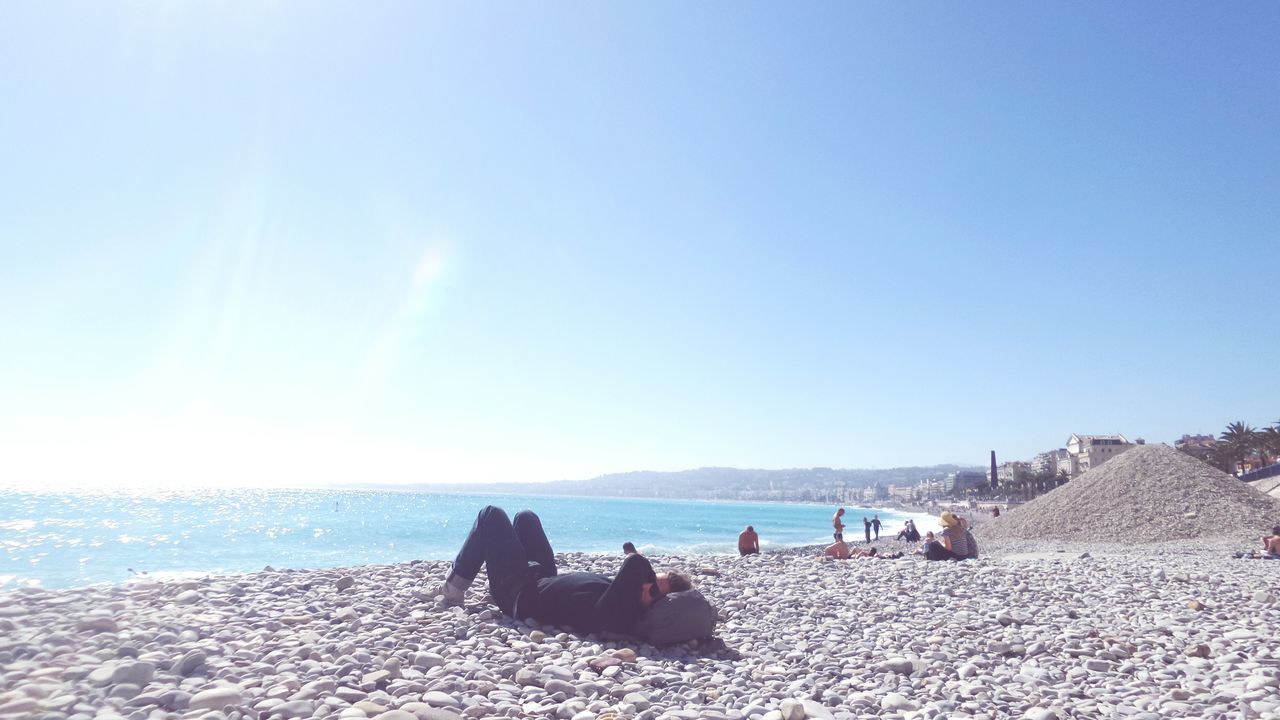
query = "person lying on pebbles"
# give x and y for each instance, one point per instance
(840, 550)
(525, 584)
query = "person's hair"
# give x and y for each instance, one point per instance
(1275, 530)
(628, 547)
(929, 534)
(679, 582)
(750, 529)
(872, 552)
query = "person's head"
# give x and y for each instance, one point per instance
(750, 529)
(628, 548)
(839, 537)
(877, 516)
(671, 581)
(871, 552)
(929, 535)
(840, 511)
(1276, 531)
(949, 520)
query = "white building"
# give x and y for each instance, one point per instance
(1089, 451)
(1012, 473)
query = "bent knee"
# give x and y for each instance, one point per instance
(492, 511)
(527, 517)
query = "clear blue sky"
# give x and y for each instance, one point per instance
(307, 241)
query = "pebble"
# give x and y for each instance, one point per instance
(216, 698)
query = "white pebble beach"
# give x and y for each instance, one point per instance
(1027, 630)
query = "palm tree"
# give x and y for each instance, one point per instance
(1239, 441)
(1269, 443)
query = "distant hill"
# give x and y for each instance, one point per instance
(718, 483)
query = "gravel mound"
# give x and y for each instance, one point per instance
(1151, 493)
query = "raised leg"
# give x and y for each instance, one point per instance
(537, 548)
(493, 544)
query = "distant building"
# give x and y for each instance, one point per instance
(966, 479)
(1013, 472)
(1089, 451)
(902, 493)
(1051, 462)
(1200, 447)
(930, 489)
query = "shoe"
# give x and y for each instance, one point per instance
(449, 591)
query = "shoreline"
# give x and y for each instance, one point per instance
(1025, 631)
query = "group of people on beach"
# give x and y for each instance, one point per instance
(955, 543)
(869, 526)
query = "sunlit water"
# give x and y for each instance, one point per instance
(71, 539)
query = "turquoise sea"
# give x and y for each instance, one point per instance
(68, 539)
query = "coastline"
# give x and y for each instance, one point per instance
(1077, 629)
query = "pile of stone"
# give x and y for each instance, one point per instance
(1151, 493)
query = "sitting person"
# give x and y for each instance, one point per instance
(928, 540)
(909, 532)
(904, 532)
(748, 542)
(954, 544)
(838, 550)
(1271, 544)
(524, 582)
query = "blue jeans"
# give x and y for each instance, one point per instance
(511, 552)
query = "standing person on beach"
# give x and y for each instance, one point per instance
(875, 525)
(838, 524)
(524, 582)
(866, 525)
(748, 542)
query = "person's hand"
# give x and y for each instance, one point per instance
(648, 594)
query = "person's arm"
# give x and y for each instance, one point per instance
(620, 606)
(755, 543)
(946, 541)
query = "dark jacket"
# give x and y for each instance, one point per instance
(589, 602)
